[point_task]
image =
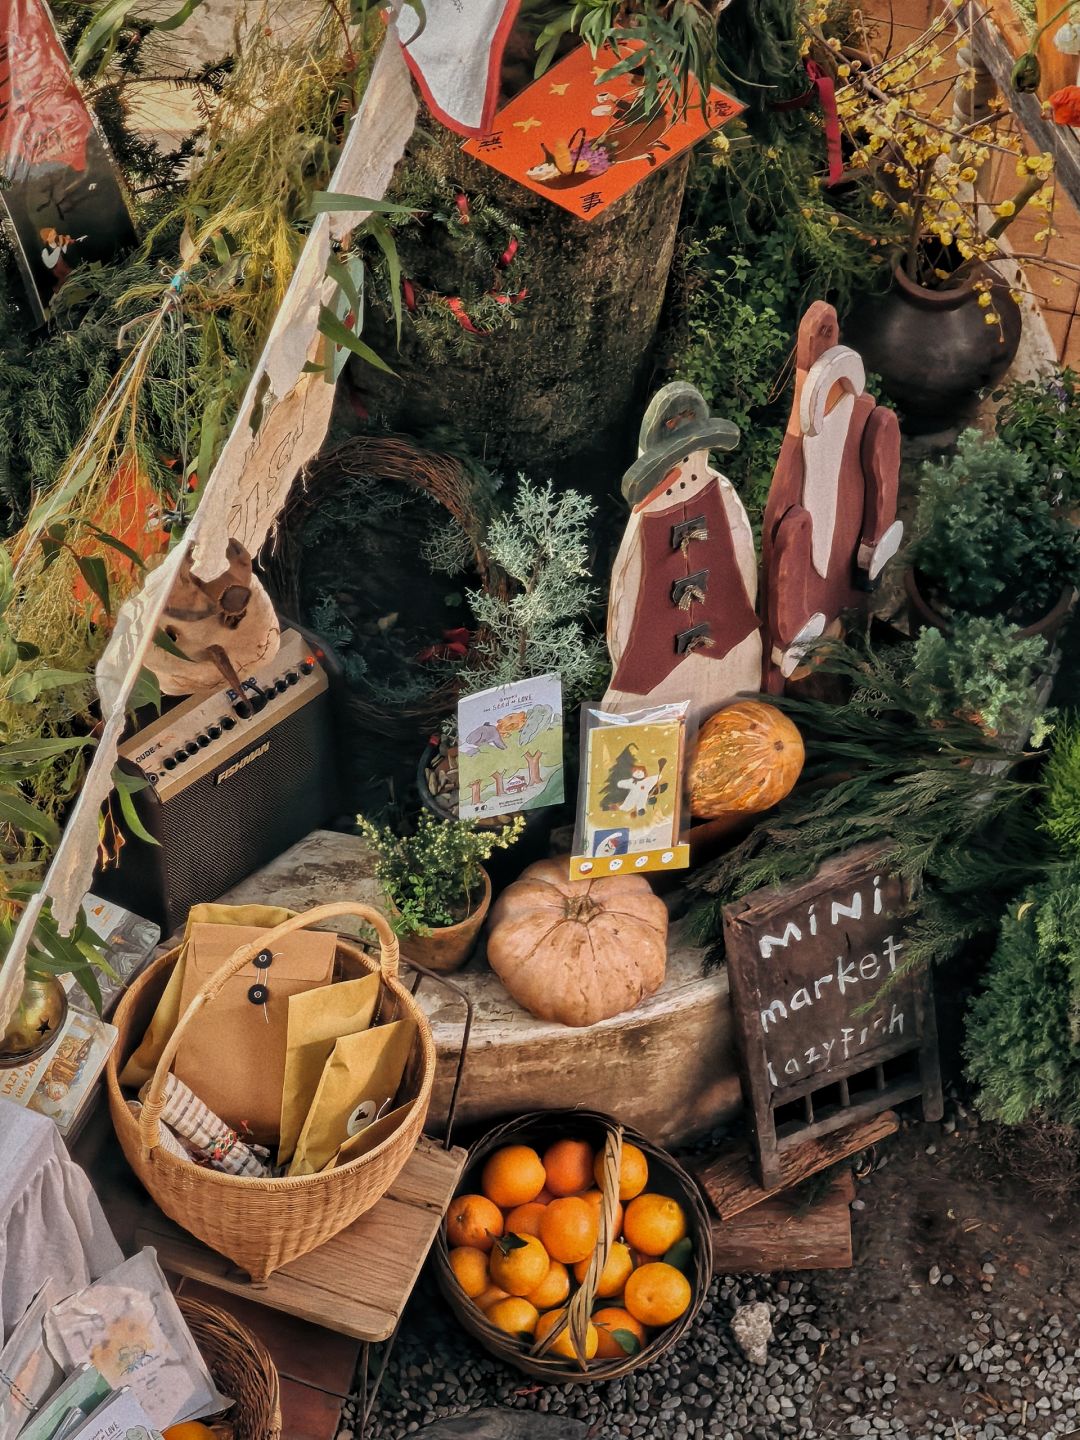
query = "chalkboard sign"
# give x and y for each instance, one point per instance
(830, 1028)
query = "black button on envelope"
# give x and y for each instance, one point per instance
(259, 994)
(263, 960)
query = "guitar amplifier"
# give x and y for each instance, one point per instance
(233, 780)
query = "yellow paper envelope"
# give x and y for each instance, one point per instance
(317, 1019)
(360, 1080)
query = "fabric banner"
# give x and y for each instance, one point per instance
(61, 191)
(456, 55)
(247, 487)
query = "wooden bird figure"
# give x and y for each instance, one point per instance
(681, 618)
(830, 521)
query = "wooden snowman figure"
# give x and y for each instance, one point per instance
(681, 621)
(830, 522)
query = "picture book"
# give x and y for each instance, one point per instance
(510, 748)
(77, 1398)
(61, 1082)
(631, 794)
(583, 136)
(121, 1417)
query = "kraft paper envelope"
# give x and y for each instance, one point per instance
(360, 1080)
(232, 1055)
(317, 1019)
(143, 1061)
(375, 1134)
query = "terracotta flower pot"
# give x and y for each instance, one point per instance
(447, 947)
(928, 616)
(933, 349)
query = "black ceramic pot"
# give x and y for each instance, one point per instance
(933, 349)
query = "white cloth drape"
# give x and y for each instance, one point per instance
(51, 1222)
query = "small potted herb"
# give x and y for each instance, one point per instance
(1041, 419)
(436, 884)
(991, 541)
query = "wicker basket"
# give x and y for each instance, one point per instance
(262, 1224)
(666, 1177)
(242, 1369)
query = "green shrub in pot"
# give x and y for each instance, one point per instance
(981, 669)
(989, 540)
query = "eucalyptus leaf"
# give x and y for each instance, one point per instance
(18, 812)
(339, 334)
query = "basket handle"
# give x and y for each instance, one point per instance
(576, 1316)
(154, 1102)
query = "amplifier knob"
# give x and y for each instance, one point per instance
(202, 741)
(214, 731)
(170, 762)
(306, 667)
(291, 678)
(191, 747)
(243, 709)
(258, 701)
(280, 684)
(180, 757)
(227, 722)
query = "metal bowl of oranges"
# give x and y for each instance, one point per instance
(575, 1249)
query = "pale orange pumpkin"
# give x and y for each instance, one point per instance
(577, 951)
(748, 757)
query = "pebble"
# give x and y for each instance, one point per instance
(815, 1383)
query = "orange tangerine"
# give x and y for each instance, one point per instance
(470, 1267)
(513, 1176)
(595, 1197)
(563, 1345)
(633, 1171)
(473, 1220)
(514, 1315)
(614, 1274)
(568, 1229)
(518, 1264)
(553, 1289)
(568, 1165)
(525, 1219)
(620, 1334)
(657, 1294)
(653, 1224)
(489, 1297)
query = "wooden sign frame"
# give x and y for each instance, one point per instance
(828, 1033)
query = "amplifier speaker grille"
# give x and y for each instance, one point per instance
(264, 796)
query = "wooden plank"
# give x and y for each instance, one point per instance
(780, 1235)
(732, 1189)
(1057, 69)
(1061, 141)
(356, 1284)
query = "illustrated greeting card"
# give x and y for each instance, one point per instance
(583, 138)
(631, 794)
(510, 748)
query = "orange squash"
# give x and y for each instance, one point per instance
(748, 757)
(578, 951)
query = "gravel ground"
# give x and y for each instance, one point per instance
(959, 1319)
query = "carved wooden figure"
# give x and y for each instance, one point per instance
(830, 522)
(681, 621)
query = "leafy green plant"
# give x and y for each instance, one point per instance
(1041, 419)
(537, 620)
(432, 877)
(668, 43)
(1061, 781)
(988, 539)
(981, 669)
(940, 791)
(1023, 1034)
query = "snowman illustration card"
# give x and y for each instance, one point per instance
(630, 804)
(510, 748)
